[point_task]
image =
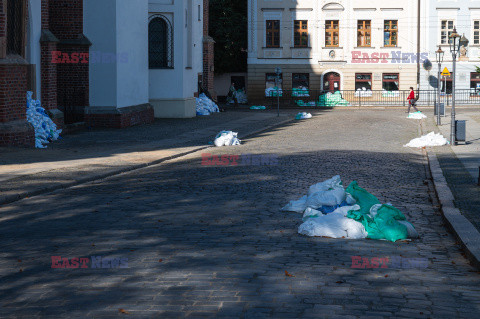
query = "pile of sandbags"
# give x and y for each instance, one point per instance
(331, 211)
(240, 95)
(205, 106)
(226, 138)
(45, 130)
(258, 107)
(431, 139)
(303, 116)
(272, 92)
(300, 92)
(332, 100)
(416, 115)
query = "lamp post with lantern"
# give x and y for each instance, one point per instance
(439, 56)
(456, 42)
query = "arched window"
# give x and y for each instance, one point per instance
(160, 43)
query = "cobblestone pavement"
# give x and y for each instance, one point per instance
(210, 241)
(464, 188)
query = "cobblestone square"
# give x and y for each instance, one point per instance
(210, 241)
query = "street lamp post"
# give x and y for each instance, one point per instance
(456, 42)
(439, 56)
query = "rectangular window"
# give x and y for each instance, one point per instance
(15, 26)
(273, 33)
(476, 32)
(390, 82)
(390, 31)
(364, 33)
(300, 81)
(270, 81)
(446, 31)
(300, 34)
(199, 13)
(363, 81)
(475, 84)
(331, 33)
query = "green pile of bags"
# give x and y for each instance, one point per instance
(380, 221)
(332, 100)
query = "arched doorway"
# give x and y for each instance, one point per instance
(331, 82)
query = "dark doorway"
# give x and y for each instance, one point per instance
(331, 82)
(239, 82)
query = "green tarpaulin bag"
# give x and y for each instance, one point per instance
(382, 225)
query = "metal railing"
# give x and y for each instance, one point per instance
(318, 98)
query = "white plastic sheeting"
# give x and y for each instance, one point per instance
(431, 139)
(416, 116)
(45, 130)
(205, 106)
(226, 138)
(326, 193)
(303, 116)
(334, 225)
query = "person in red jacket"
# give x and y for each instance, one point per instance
(411, 100)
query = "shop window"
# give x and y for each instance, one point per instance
(363, 81)
(390, 82)
(475, 84)
(270, 81)
(300, 81)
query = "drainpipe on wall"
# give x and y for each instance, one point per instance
(418, 47)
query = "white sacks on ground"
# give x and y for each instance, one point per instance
(45, 129)
(303, 116)
(416, 116)
(226, 138)
(431, 139)
(205, 106)
(327, 193)
(334, 225)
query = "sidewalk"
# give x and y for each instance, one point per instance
(459, 166)
(93, 154)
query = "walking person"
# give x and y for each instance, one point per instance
(412, 100)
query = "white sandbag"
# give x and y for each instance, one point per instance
(45, 128)
(226, 138)
(335, 225)
(326, 198)
(412, 233)
(311, 213)
(334, 182)
(297, 206)
(350, 200)
(431, 139)
(205, 106)
(272, 91)
(303, 116)
(416, 116)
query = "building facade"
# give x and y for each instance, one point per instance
(109, 63)
(442, 17)
(325, 45)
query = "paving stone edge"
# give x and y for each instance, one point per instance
(465, 232)
(7, 199)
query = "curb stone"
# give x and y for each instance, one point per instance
(47, 189)
(468, 235)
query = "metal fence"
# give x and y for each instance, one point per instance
(317, 98)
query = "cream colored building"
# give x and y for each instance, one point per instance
(341, 45)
